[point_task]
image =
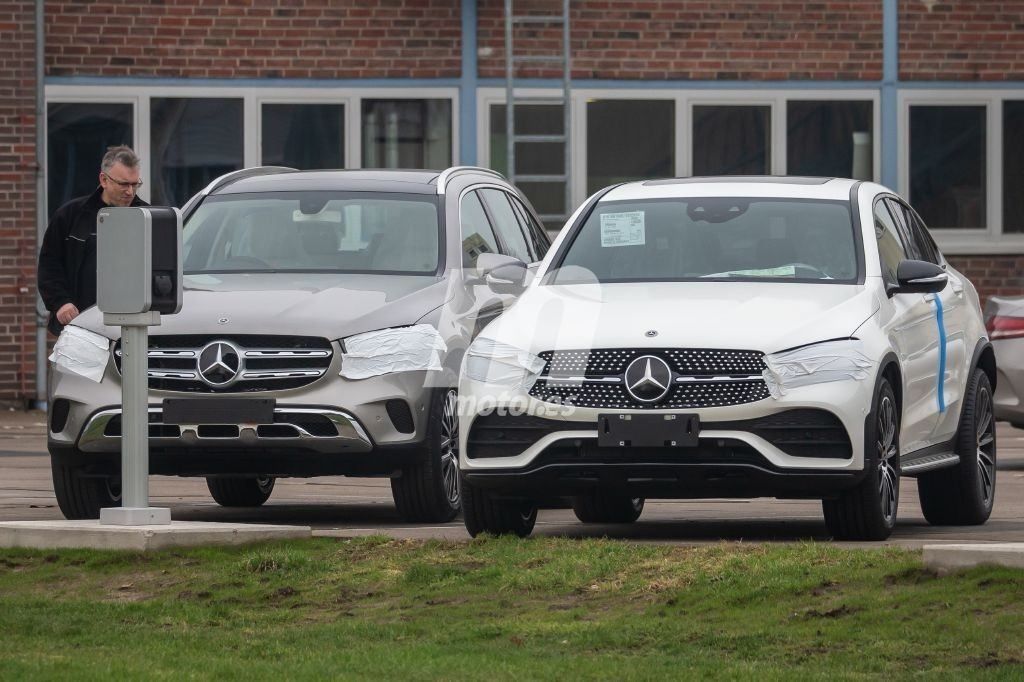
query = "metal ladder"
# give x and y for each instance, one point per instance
(511, 61)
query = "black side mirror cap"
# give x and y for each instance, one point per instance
(920, 277)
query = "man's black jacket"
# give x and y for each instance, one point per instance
(71, 232)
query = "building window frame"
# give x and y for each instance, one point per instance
(253, 99)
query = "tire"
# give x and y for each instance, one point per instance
(236, 491)
(483, 513)
(429, 491)
(963, 495)
(80, 496)
(605, 508)
(868, 511)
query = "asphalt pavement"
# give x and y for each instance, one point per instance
(340, 506)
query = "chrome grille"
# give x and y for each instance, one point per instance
(265, 362)
(700, 378)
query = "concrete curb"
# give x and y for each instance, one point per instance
(946, 558)
(91, 535)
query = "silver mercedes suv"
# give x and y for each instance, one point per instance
(324, 319)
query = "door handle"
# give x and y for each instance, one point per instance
(958, 287)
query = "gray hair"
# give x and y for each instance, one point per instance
(121, 154)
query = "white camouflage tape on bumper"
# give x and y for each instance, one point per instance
(81, 352)
(816, 364)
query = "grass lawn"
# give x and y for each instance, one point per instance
(503, 609)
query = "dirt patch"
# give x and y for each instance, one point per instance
(911, 576)
(838, 612)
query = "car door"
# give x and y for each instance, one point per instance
(953, 353)
(909, 319)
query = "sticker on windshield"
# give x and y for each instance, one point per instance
(622, 229)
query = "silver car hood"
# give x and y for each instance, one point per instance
(308, 304)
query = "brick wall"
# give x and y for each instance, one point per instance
(978, 40)
(17, 202)
(254, 38)
(992, 275)
(698, 39)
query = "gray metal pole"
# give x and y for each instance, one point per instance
(567, 107)
(510, 75)
(41, 217)
(135, 417)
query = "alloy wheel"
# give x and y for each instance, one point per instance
(986, 439)
(888, 477)
(450, 448)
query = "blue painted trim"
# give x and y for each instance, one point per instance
(889, 109)
(467, 86)
(258, 82)
(937, 300)
(684, 84)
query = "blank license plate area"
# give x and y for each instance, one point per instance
(219, 411)
(647, 430)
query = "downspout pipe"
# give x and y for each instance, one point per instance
(41, 312)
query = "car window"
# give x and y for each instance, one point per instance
(905, 229)
(929, 250)
(539, 241)
(477, 233)
(890, 246)
(507, 224)
(325, 231)
(712, 238)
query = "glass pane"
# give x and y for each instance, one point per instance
(477, 234)
(629, 140)
(731, 140)
(890, 248)
(947, 165)
(829, 139)
(193, 141)
(507, 224)
(407, 133)
(304, 136)
(373, 232)
(77, 137)
(1013, 166)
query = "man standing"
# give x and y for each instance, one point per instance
(67, 259)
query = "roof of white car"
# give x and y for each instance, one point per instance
(735, 186)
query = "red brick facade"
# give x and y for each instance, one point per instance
(698, 40)
(254, 38)
(725, 40)
(17, 202)
(982, 40)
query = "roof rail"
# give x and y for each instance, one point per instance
(446, 175)
(227, 179)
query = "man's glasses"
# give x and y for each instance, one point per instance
(124, 183)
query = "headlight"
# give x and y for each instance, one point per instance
(493, 362)
(400, 349)
(80, 351)
(818, 363)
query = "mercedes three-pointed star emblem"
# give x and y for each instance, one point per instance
(219, 364)
(648, 378)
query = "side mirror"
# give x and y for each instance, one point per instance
(503, 274)
(920, 277)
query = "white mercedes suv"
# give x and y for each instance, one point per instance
(733, 337)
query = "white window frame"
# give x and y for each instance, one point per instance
(988, 239)
(684, 102)
(252, 100)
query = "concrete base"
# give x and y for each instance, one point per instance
(92, 535)
(135, 516)
(946, 558)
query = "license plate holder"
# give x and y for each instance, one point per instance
(219, 410)
(647, 430)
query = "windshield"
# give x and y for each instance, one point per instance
(358, 232)
(712, 239)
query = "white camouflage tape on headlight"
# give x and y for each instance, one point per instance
(817, 364)
(81, 352)
(493, 362)
(401, 349)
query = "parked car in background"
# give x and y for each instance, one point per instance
(734, 337)
(324, 319)
(1004, 319)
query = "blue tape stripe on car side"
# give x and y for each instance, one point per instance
(942, 352)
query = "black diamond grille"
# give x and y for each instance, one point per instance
(723, 373)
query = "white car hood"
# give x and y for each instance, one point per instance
(768, 317)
